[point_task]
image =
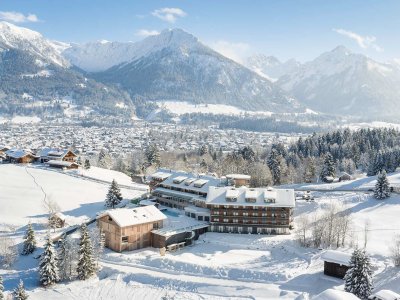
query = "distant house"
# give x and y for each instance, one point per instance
(239, 179)
(384, 295)
(48, 154)
(331, 294)
(336, 263)
(345, 177)
(62, 164)
(19, 156)
(130, 228)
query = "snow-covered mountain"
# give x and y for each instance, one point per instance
(14, 37)
(175, 65)
(270, 67)
(101, 55)
(343, 82)
(32, 67)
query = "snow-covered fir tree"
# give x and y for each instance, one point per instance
(29, 241)
(48, 269)
(86, 264)
(66, 258)
(153, 155)
(274, 166)
(86, 166)
(358, 278)
(114, 196)
(98, 239)
(328, 168)
(1, 288)
(104, 159)
(203, 150)
(382, 188)
(19, 293)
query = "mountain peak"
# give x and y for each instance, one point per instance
(342, 50)
(175, 36)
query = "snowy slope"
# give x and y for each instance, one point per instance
(22, 197)
(343, 82)
(24, 39)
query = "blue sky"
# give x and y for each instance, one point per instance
(301, 29)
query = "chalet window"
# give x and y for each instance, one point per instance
(124, 239)
(109, 219)
(155, 225)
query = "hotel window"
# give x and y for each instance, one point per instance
(255, 214)
(221, 228)
(245, 214)
(245, 221)
(216, 212)
(273, 215)
(235, 213)
(240, 229)
(124, 239)
(226, 220)
(235, 206)
(255, 222)
(264, 214)
(216, 220)
(235, 220)
(283, 215)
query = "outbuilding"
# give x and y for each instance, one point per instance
(344, 177)
(336, 263)
(331, 294)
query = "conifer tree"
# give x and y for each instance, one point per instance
(153, 155)
(328, 169)
(66, 258)
(29, 241)
(86, 166)
(203, 150)
(20, 293)
(358, 278)
(114, 196)
(48, 270)
(1, 289)
(382, 188)
(86, 265)
(274, 166)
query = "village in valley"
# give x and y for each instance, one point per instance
(198, 234)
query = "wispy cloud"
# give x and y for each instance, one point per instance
(169, 14)
(16, 17)
(234, 51)
(364, 42)
(145, 32)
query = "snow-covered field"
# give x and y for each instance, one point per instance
(182, 107)
(25, 188)
(218, 266)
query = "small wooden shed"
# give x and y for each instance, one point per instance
(336, 263)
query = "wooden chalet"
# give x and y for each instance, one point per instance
(130, 228)
(19, 156)
(50, 154)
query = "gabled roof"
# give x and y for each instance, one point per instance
(331, 294)
(385, 295)
(18, 153)
(53, 152)
(133, 216)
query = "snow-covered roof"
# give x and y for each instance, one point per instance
(281, 197)
(160, 175)
(238, 176)
(60, 163)
(17, 153)
(337, 257)
(52, 152)
(331, 294)
(385, 295)
(190, 182)
(133, 216)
